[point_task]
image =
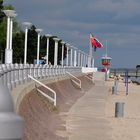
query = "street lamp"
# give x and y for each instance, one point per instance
(38, 43)
(8, 51)
(47, 49)
(79, 60)
(27, 26)
(56, 51)
(67, 61)
(71, 55)
(75, 56)
(62, 62)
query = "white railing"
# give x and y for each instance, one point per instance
(46, 87)
(13, 75)
(89, 76)
(75, 80)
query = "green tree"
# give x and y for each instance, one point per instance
(32, 45)
(18, 48)
(1, 12)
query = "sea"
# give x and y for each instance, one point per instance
(135, 79)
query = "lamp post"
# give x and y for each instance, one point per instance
(8, 51)
(75, 56)
(79, 58)
(38, 43)
(56, 51)
(67, 61)
(47, 49)
(62, 62)
(71, 55)
(27, 26)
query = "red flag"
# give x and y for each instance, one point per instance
(92, 40)
(98, 44)
(95, 42)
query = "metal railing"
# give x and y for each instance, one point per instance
(121, 71)
(13, 75)
(43, 93)
(89, 76)
(75, 80)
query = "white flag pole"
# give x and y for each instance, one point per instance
(90, 58)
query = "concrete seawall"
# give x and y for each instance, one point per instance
(42, 120)
(20, 91)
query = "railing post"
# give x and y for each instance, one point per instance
(50, 71)
(47, 71)
(53, 71)
(17, 74)
(12, 76)
(27, 72)
(64, 70)
(31, 70)
(9, 76)
(11, 125)
(21, 74)
(5, 74)
(36, 71)
(56, 70)
(1, 74)
(40, 68)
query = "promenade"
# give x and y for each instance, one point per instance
(86, 119)
(92, 116)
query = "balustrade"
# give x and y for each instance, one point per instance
(12, 75)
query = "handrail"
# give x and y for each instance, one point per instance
(45, 95)
(89, 77)
(77, 83)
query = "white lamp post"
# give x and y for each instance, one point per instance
(27, 26)
(56, 51)
(84, 60)
(71, 55)
(79, 58)
(47, 49)
(8, 51)
(67, 61)
(62, 62)
(75, 56)
(38, 43)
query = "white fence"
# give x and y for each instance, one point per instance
(13, 75)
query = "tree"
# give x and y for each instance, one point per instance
(18, 48)
(1, 13)
(2, 31)
(32, 45)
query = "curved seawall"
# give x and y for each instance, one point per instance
(42, 120)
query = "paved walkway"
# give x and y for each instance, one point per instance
(86, 119)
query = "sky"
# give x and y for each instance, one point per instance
(116, 22)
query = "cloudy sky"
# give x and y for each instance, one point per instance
(117, 21)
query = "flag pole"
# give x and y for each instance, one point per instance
(90, 59)
(106, 48)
